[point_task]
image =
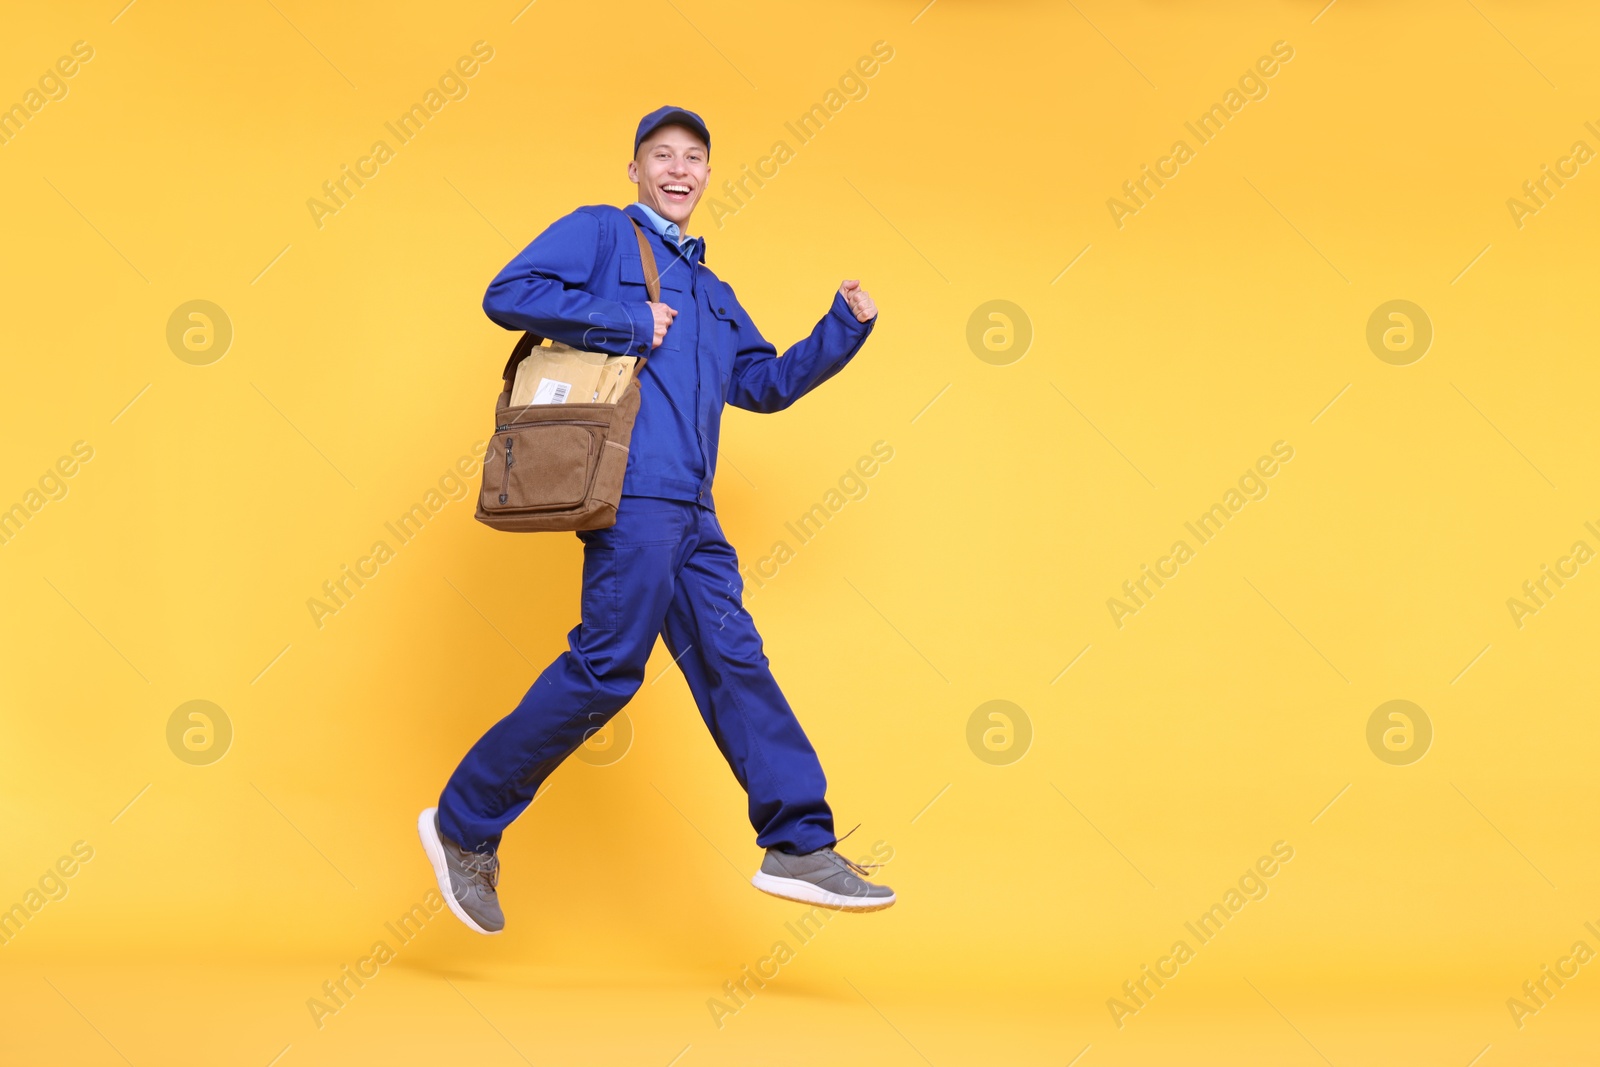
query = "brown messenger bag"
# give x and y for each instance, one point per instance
(559, 467)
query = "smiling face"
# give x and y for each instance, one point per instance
(671, 171)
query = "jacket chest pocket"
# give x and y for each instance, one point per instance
(633, 288)
(725, 338)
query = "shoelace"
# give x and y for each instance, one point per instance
(484, 866)
(862, 870)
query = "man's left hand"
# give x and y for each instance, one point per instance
(861, 304)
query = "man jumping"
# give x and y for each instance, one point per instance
(665, 567)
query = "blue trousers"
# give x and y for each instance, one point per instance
(664, 568)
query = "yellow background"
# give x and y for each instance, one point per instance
(1225, 716)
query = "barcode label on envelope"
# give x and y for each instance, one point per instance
(551, 391)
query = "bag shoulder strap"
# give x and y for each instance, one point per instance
(647, 256)
(652, 284)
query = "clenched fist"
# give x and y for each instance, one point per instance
(663, 316)
(860, 303)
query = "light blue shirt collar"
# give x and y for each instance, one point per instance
(664, 226)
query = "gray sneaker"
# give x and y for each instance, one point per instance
(822, 877)
(467, 879)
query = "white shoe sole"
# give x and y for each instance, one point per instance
(806, 893)
(441, 870)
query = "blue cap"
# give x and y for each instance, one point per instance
(670, 116)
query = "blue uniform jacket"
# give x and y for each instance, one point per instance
(581, 282)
